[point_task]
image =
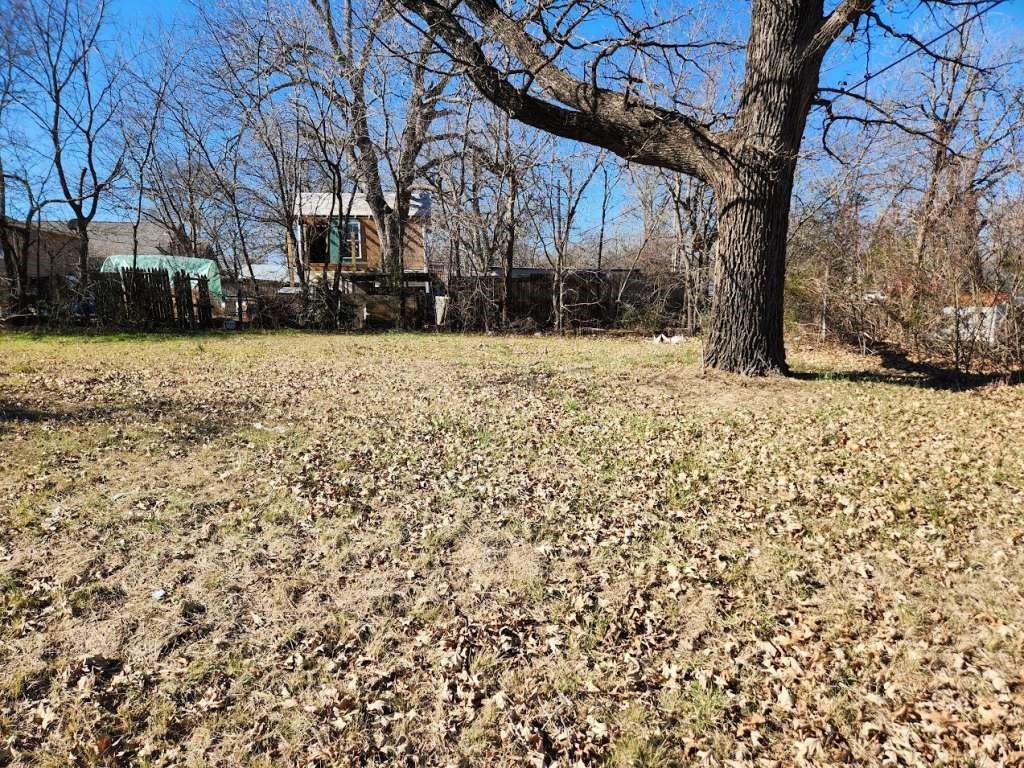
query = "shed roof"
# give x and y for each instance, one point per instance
(109, 238)
(326, 204)
(270, 273)
(112, 238)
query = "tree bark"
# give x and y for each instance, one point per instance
(745, 333)
(83, 250)
(754, 191)
(510, 250)
(391, 225)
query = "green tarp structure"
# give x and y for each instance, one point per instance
(192, 267)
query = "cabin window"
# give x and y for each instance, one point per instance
(330, 243)
(348, 249)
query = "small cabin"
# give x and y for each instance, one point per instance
(340, 233)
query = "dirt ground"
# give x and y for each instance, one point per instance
(439, 550)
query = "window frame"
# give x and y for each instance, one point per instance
(352, 225)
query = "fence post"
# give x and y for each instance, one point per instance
(204, 308)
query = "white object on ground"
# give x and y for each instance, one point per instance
(661, 338)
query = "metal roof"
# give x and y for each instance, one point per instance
(353, 203)
(270, 273)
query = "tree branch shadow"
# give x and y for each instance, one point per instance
(200, 424)
(898, 369)
(12, 412)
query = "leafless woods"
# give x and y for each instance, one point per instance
(693, 143)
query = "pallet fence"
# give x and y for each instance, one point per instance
(152, 299)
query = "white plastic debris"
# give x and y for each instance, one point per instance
(661, 338)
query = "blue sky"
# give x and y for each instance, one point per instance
(134, 20)
(135, 17)
(148, 10)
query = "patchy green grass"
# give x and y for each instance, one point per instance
(299, 549)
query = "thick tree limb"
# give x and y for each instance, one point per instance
(626, 125)
(835, 23)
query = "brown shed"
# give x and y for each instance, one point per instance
(341, 234)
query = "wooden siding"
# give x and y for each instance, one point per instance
(414, 254)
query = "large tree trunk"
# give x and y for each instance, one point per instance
(392, 252)
(746, 327)
(750, 164)
(753, 194)
(392, 230)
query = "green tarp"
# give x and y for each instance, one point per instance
(193, 267)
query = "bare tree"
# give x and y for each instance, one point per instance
(181, 198)
(238, 65)
(383, 78)
(78, 99)
(25, 178)
(565, 181)
(11, 53)
(971, 116)
(695, 229)
(892, 238)
(141, 125)
(483, 193)
(750, 163)
(219, 144)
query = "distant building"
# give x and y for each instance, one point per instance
(270, 279)
(983, 317)
(53, 245)
(110, 238)
(341, 234)
(269, 273)
(52, 257)
(52, 250)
